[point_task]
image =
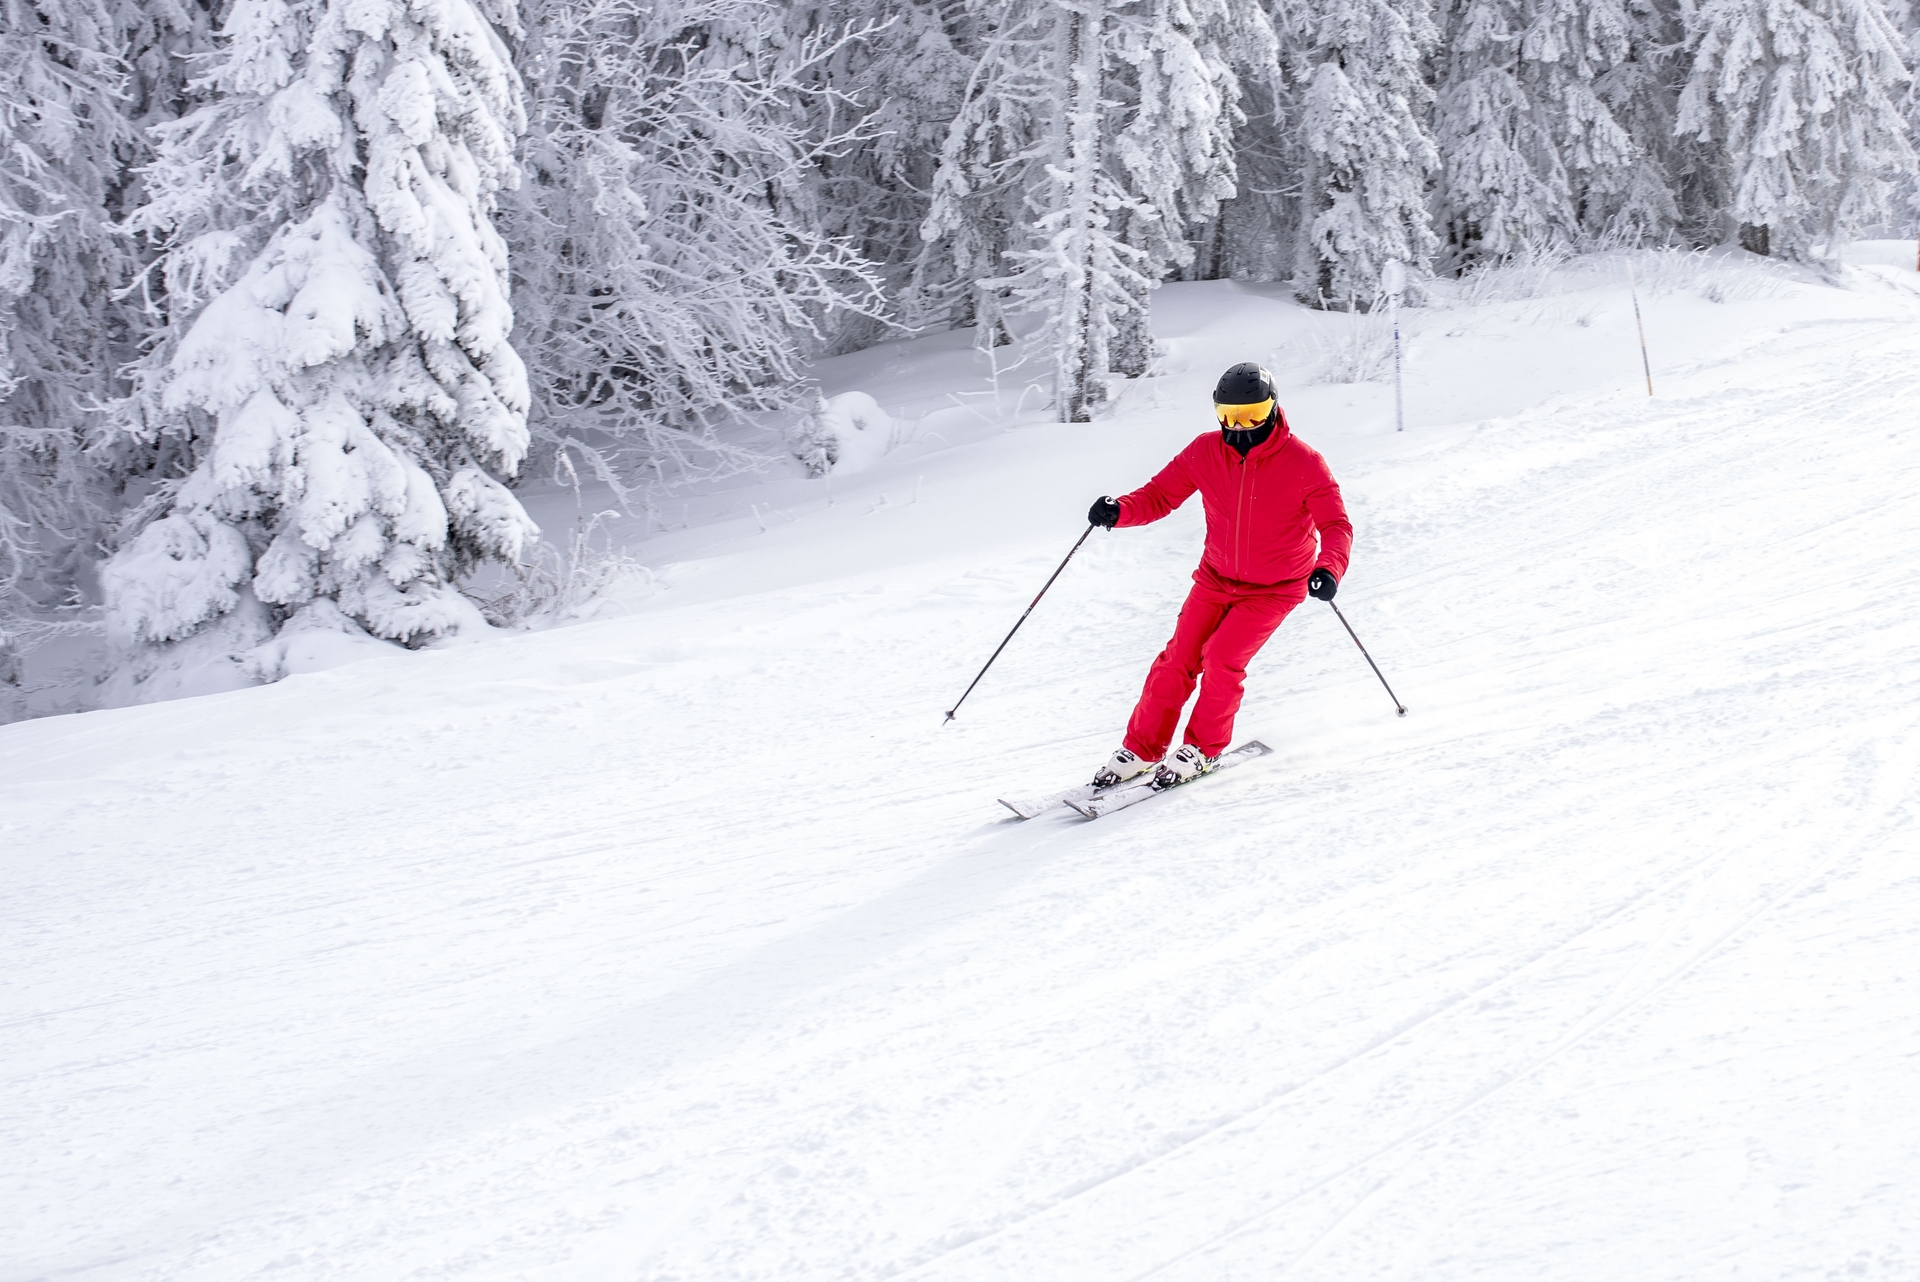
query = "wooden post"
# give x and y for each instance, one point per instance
(1634, 292)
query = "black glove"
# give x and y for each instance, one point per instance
(1321, 585)
(1104, 513)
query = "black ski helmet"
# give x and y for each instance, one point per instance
(1244, 384)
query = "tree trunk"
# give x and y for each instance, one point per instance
(1082, 369)
(1753, 238)
(1216, 255)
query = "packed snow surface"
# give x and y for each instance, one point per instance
(689, 944)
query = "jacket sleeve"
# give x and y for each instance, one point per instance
(1170, 487)
(1329, 513)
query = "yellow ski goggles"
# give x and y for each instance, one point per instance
(1244, 416)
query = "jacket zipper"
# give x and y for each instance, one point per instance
(1240, 516)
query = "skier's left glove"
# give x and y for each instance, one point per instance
(1104, 513)
(1321, 585)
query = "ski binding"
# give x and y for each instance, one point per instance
(1106, 801)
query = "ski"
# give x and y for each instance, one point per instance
(1034, 807)
(1130, 794)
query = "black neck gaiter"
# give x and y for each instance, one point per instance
(1245, 439)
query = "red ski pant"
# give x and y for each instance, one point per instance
(1222, 626)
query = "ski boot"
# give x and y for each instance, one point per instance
(1187, 762)
(1120, 767)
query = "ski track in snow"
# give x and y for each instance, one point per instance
(1596, 966)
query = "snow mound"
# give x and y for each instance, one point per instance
(843, 434)
(318, 637)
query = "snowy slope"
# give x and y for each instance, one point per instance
(687, 944)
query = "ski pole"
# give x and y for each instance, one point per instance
(1400, 707)
(1016, 627)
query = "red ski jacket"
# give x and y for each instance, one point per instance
(1263, 511)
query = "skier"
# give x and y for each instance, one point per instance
(1277, 533)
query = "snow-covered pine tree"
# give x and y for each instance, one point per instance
(670, 265)
(1910, 187)
(1907, 190)
(66, 145)
(1367, 150)
(1566, 53)
(1505, 184)
(976, 204)
(1257, 233)
(1093, 148)
(1084, 275)
(1655, 191)
(1801, 101)
(1028, 179)
(1176, 80)
(336, 354)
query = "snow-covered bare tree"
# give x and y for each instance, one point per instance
(1801, 101)
(1367, 152)
(670, 264)
(898, 86)
(336, 354)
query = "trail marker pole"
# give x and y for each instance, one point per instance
(1633, 291)
(1394, 280)
(1022, 619)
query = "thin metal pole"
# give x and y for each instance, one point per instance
(1399, 707)
(1633, 291)
(1393, 278)
(1023, 618)
(1399, 407)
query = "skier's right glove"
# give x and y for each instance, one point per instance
(1321, 585)
(1104, 513)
